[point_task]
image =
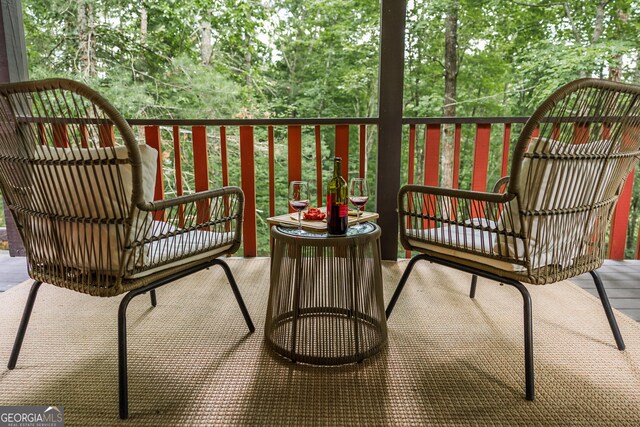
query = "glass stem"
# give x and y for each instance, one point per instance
(299, 220)
(359, 217)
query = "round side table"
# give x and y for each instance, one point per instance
(325, 301)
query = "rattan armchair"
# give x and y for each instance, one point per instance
(80, 189)
(550, 222)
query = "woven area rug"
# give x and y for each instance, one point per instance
(450, 360)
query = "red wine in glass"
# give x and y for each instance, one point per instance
(299, 205)
(358, 195)
(299, 199)
(358, 201)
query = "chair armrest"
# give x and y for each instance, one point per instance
(501, 185)
(480, 196)
(190, 198)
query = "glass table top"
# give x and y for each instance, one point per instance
(352, 230)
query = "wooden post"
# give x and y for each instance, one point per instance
(391, 80)
(248, 183)
(13, 68)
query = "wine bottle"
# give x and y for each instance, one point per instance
(337, 202)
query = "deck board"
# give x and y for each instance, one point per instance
(621, 280)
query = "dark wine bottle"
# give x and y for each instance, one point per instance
(337, 202)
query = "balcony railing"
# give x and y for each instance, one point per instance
(195, 155)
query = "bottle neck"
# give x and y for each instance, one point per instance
(336, 168)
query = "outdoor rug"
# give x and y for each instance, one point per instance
(451, 360)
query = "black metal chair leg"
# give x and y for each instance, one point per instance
(604, 299)
(402, 282)
(528, 339)
(154, 300)
(123, 382)
(26, 315)
(474, 282)
(236, 292)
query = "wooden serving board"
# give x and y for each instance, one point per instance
(291, 220)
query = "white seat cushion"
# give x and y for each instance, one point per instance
(185, 247)
(458, 237)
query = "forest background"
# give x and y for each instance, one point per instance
(212, 59)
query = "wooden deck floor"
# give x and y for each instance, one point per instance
(621, 280)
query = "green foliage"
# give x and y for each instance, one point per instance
(314, 58)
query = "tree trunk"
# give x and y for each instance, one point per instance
(615, 65)
(86, 38)
(143, 25)
(598, 27)
(572, 24)
(247, 66)
(205, 42)
(450, 89)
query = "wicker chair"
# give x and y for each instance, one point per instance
(80, 189)
(550, 222)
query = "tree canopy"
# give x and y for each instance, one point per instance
(211, 59)
(294, 58)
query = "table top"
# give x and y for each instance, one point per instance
(352, 231)
(290, 220)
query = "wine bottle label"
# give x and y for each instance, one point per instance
(328, 202)
(344, 210)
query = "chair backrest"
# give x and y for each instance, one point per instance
(568, 169)
(71, 173)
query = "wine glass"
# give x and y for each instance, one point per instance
(358, 195)
(299, 199)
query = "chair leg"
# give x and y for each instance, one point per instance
(474, 282)
(236, 292)
(604, 299)
(402, 282)
(154, 300)
(528, 339)
(26, 315)
(123, 381)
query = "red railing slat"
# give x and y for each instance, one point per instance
(224, 158)
(363, 149)
(152, 138)
(248, 175)
(620, 221)
(581, 133)
(318, 166)
(342, 148)
(201, 168)
(480, 166)
(456, 155)
(412, 154)
(432, 154)
(535, 133)
(84, 135)
(431, 165)
(42, 133)
(294, 154)
(506, 141)
(272, 173)
(177, 162)
(481, 157)
(106, 135)
(60, 135)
